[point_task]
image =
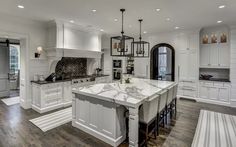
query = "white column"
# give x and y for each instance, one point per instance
(133, 127)
(73, 106)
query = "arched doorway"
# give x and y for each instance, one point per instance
(162, 62)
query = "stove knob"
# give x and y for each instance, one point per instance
(81, 81)
(87, 80)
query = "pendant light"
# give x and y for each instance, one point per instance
(141, 48)
(122, 45)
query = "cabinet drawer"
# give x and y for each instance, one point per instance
(190, 93)
(208, 84)
(227, 85)
(217, 84)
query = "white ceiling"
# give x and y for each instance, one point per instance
(186, 14)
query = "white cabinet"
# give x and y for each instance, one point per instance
(47, 97)
(224, 56)
(102, 119)
(224, 94)
(203, 92)
(215, 56)
(216, 91)
(205, 59)
(213, 93)
(67, 93)
(187, 73)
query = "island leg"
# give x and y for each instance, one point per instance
(133, 127)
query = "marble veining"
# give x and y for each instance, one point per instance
(131, 94)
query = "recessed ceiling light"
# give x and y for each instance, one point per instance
(21, 6)
(221, 6)
(145, 32)
(219, 21)
(94, 10)
(130, 26)
(158, 9)
(176, 28)
(167, 19)
(72, 21)
(116, 19)
(101, 30)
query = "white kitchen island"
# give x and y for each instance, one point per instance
(99, 109)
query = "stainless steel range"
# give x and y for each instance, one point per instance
(82, 81)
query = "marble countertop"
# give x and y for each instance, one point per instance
(132, 94)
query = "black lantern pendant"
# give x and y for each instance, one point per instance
(122, 45)
(141, 48)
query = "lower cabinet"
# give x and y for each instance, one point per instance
(102, 119)
(187, 89)
(47, 97)
(67, 94)
(217, 91)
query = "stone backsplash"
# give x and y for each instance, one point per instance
(71, 67)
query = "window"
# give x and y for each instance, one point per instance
(14, 58)
(162, 61)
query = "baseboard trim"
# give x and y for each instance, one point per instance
(114, 142)
(207, 101)
(43, 110)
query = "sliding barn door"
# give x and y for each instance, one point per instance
(4, 70)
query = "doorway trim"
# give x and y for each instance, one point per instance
(156, 47)
(25, 96)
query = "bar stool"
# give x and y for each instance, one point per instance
(148, 119)
(161, 109)
(169, 99)
(174, 100)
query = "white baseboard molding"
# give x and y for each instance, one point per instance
(46, 109)
(214, 102)
(101, 136)
(208, 101)
(43, 110)
(66, 104)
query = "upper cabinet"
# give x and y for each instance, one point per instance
(215, 49)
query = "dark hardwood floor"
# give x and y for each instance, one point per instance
(17, 131)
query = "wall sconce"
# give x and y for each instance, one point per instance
(38, 53)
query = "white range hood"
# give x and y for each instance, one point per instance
(54, 53)
(68, 40)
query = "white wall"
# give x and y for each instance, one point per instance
(233, 65)
(35, 33)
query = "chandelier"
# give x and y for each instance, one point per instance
(122, 45)
(140, 48)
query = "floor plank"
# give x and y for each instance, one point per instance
(17, 131)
